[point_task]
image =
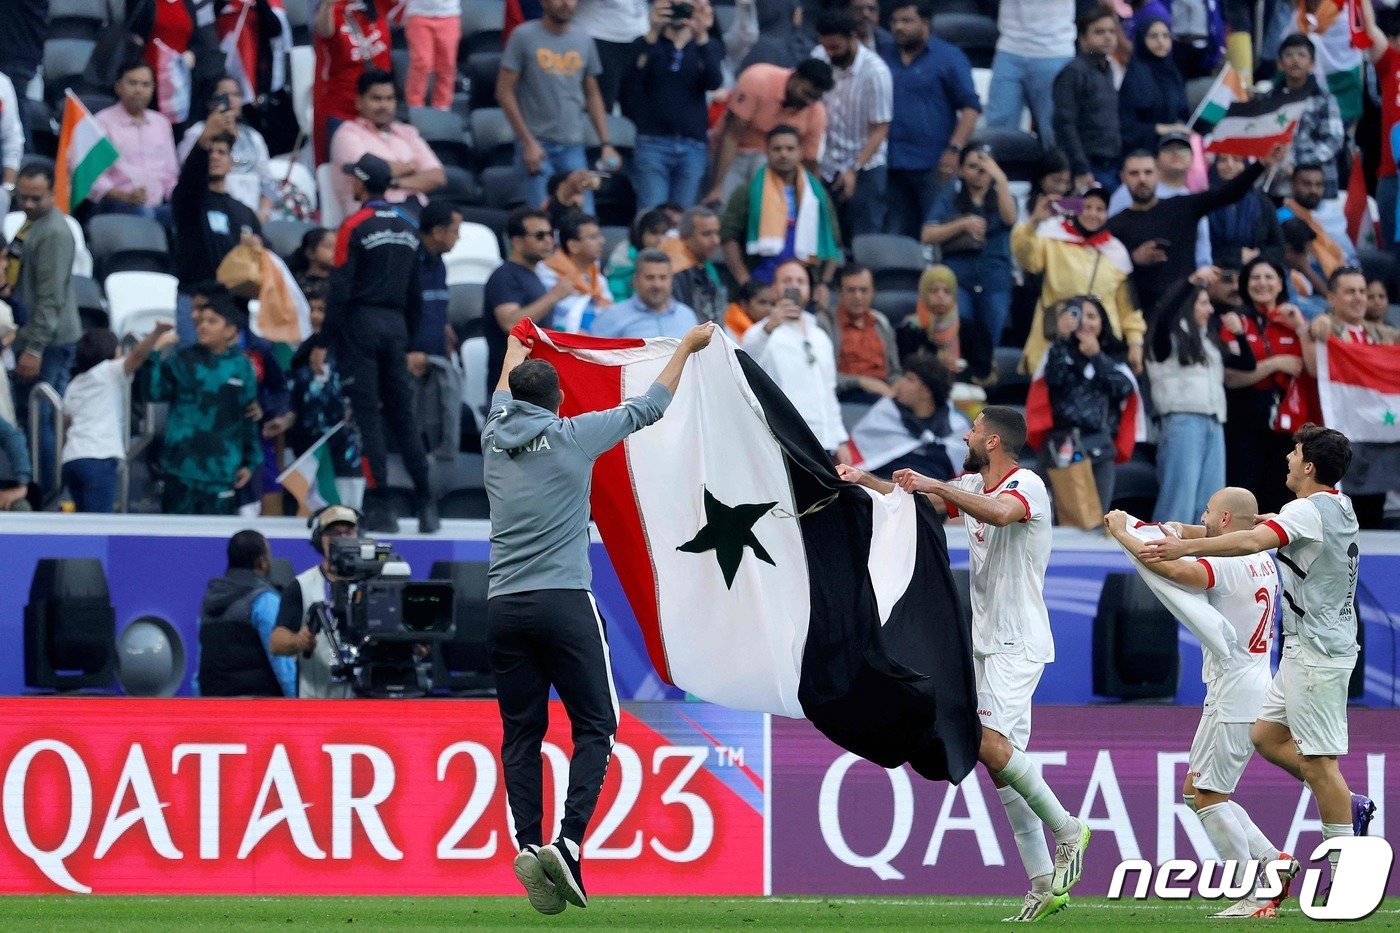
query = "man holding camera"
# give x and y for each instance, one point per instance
(293, 635)
(543, 627)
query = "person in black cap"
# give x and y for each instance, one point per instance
(211, 447)
(374, 307)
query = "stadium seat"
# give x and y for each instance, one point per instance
(92, 307)
(493, 140)
(299, 17)
(282, 168)
(481, 69)
(1196, 90)
(621, 131)
(461, 666)
(895, 262)
(82, 257)
(896, 304)
(1135, 653)
(474, 258)
(1135, 484)
(474, 359)
(136, 301)
(956, 6)
(95, 101)
(974, 33)
(483, 22)
(442, 130)
(76, 19)
(64, 63)
(331, 215)
(462, 188)
(122, 243)
(303, 67)
(1383, 266)
(465, 302)
(40, 126)
(503, 187)
(283, 237)
(398, 61)
(1012, 385)
(493, 218)
(1019, 154)
(612, 235)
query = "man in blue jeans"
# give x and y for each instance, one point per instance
(1035, 40)
(673, 66)
(41, 269)
(548, 80)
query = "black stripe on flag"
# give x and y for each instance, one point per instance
(901, 692)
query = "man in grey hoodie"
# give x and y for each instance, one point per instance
(543, 627)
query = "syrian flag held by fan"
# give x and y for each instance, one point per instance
(759, 579)
(1252, 128)
(1359, 385)
(1132, 423)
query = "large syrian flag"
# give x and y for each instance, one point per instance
(1359, 385)
(760, 580)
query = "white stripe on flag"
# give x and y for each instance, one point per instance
(742, 645)
(893, 547)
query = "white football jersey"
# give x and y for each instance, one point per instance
(1245, 591)
(1008, 571)
(1319, 556)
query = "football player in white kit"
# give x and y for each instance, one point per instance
(1245, 591)
(1008, 536)
(1302, 725)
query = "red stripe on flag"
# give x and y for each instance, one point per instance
(1251, 147)
(613, 500)
(1371, 367)
(1039, 418)
(1127, 428)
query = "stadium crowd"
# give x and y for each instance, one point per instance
(903, 210)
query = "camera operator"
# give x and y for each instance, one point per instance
(236, 623)
(292, 635)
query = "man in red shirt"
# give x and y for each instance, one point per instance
(349, 36)
(1384, 29)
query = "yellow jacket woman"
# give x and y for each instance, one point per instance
(1077, 257)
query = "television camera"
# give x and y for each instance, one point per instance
(379, 622)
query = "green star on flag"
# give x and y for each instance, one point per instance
(728, 530)
(1388, 418)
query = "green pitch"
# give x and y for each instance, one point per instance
(612, 913)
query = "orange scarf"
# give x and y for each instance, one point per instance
(587, 283)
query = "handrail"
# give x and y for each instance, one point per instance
(40, 393)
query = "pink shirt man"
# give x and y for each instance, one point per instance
(146, 155)
(399, 143)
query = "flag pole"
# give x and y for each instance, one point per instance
(1201, 107)
(311, 450)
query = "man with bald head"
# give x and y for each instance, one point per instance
(1245, 591)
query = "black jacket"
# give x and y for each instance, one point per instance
(1086, 113)
(376, 267)
(1089, 404)
(232, 658)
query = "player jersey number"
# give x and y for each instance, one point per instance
(1264, 631)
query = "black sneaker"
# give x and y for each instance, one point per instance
(544, 897)
(561, 865)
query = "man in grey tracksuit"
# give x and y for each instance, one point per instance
(543, 627)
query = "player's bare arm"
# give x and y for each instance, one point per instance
(997, 511)
(1187, 573)
(1256, 540)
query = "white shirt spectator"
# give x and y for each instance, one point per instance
(93, 400)
(802, 362)
(11, 129)
(864, 94)
(1036, 28)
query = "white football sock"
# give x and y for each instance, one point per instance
(1259, 845)
(1227, 835)
(1022, 775)
(1332, 831)
(1030, 839)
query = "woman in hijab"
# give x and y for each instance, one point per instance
(1077, 257)
(1152, 100)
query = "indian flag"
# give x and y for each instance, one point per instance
(84, 153)
(311, 477)
(1227, 90)
(1359, 385)
(1253, 128)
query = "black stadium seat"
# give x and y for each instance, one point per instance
(64, 63)
(92, 309)
(442, 130)
(1019, 154)
(492, 138)
(897, 305)
(465, 303)
(974, 33)
(1379, 265)
(121, 243)
(895, 261)
(284, 236)
(76, 19)
(503, 187)
(482, 24)
(481, 69)
(462, 187)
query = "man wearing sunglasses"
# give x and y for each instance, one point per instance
(514, 291)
